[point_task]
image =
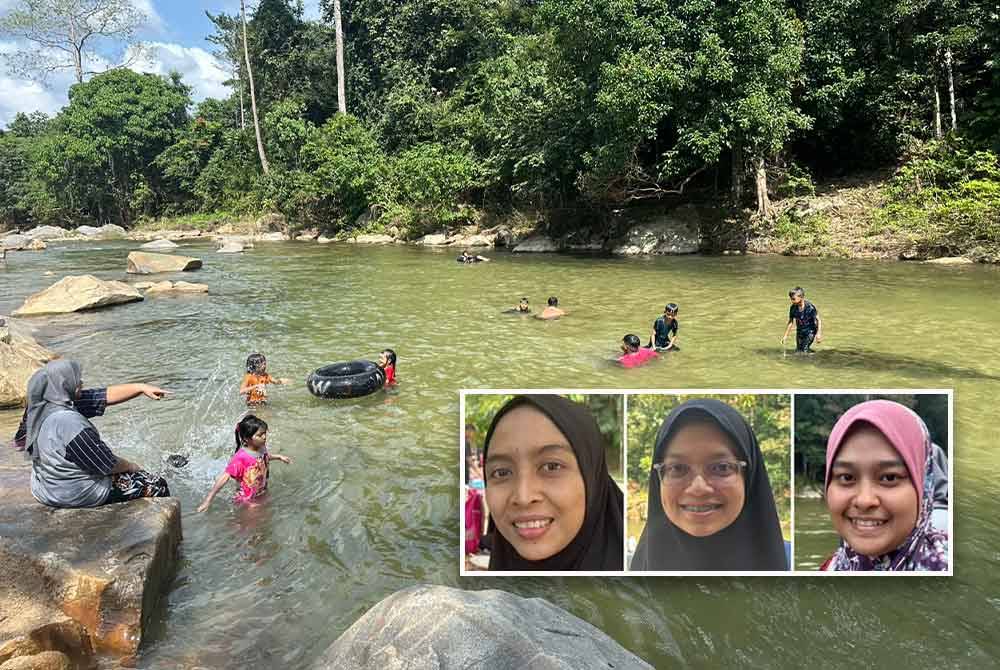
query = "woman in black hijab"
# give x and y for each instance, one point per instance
(710, 501)
(553, 505)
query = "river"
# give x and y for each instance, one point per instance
(370, 503)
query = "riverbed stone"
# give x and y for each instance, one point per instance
(537, 244)
(76, 293)
(104, 568)
(447, 629)
(273, 237)
(143, 263)
(47, 233)
(476, 240)
(36, 245)
(176, 287)
(46, 660)
(307, 235)
(230, 247)
(372, 239)
(160, 245)
(433, 240)
(20, 357)
(663, 235)
(88, 231)
(951, 260)
(323, 239)
(14, 242)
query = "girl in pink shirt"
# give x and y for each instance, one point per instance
(249, 465)
(633, 355)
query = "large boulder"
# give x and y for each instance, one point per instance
(537, 244)
(47, 233)
(450, 629)
(76, 293)
(88, 231)
(20, 357)
(159, 245)
(475, 240)
(141, 263)
(105, 232)
(272, 223)
(951, 260)
(15, 242)
(433, 240)
(663, 235)
(104, 569)
(230, 247)
(307, 235)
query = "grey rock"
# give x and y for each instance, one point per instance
(951, 260)
(273, 237)
(663, 235)
(47, 233)
(230, 247)
(88, 231)
(15, 241)
(142, 263)
(433, 240)
(372, 239)
(442, 628)
(536, 244)
(77, 293)
(272, 223)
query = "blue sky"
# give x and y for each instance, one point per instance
(175, 35)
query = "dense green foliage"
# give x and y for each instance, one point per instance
(768, 415)
(461, 106)
(816, 414)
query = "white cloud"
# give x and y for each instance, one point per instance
(154, 20)
(18, 95)
(198, 68)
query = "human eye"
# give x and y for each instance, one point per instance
(843, 478)
(499, 474)
(676, 470)
(892, 478)
(722, 469)
(552, 467)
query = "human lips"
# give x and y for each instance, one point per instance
(867, 525)
(533, 527)
(700, 509)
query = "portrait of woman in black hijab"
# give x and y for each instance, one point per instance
(711, 507)
(553, 504)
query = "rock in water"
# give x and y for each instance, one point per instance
(20, 357)
(142, 263)
(72, 294)
(104, 569)
(450, 629)
(159, 245)
(230, 247)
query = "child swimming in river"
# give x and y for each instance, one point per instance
(387, 361)
(633, 354)
(256, 379)
(249, 465)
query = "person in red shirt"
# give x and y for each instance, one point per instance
(633, 355)
(387, 361)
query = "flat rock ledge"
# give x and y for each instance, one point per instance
(80, 581)
(20, 357)
(76, 293)
(142, 263)
(442, 628)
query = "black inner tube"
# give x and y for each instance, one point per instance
(350, 379)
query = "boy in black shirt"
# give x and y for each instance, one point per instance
(663, 328)
(808, 326)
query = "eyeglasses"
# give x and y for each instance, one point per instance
(718, 472)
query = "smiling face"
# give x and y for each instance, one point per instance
(701, 505)
(871, 496)
(258, 440)
(534, 487)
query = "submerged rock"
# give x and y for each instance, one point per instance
(76, 293)
(159, 245)
(450, 629)
(951, 260)
(81, 580)
(20, 357)
(145, 263)
(176, 287)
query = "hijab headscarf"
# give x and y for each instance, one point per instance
(599, 543)
(51, 389)
(752, 542)
(925, 548)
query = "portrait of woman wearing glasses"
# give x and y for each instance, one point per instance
(711, 507)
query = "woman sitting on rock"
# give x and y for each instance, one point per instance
(70, 465)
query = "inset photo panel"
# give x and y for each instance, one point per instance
(709, 486)
(872, 474)
(542, 481)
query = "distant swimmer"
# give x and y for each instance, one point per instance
(552, 311)
(521, 308)
(804, 315)
(468, 257)
(664, 335)
(633, 354)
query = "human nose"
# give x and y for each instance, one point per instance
(526, 490)
(867, 497)
(699, 483)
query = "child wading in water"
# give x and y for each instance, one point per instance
(387, 361)
(256, 379)
(803, 314)
(249, 465)
(632, 355)
(663, 328)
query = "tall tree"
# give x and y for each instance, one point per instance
(69, 34)
(339, 27)
(253, 96)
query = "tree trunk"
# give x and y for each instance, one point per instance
(951, 89)
(937, 111)
(737, 185)
(338, 25)
(77, 54)
(243, 111)
(764, 208)
(253, 96)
